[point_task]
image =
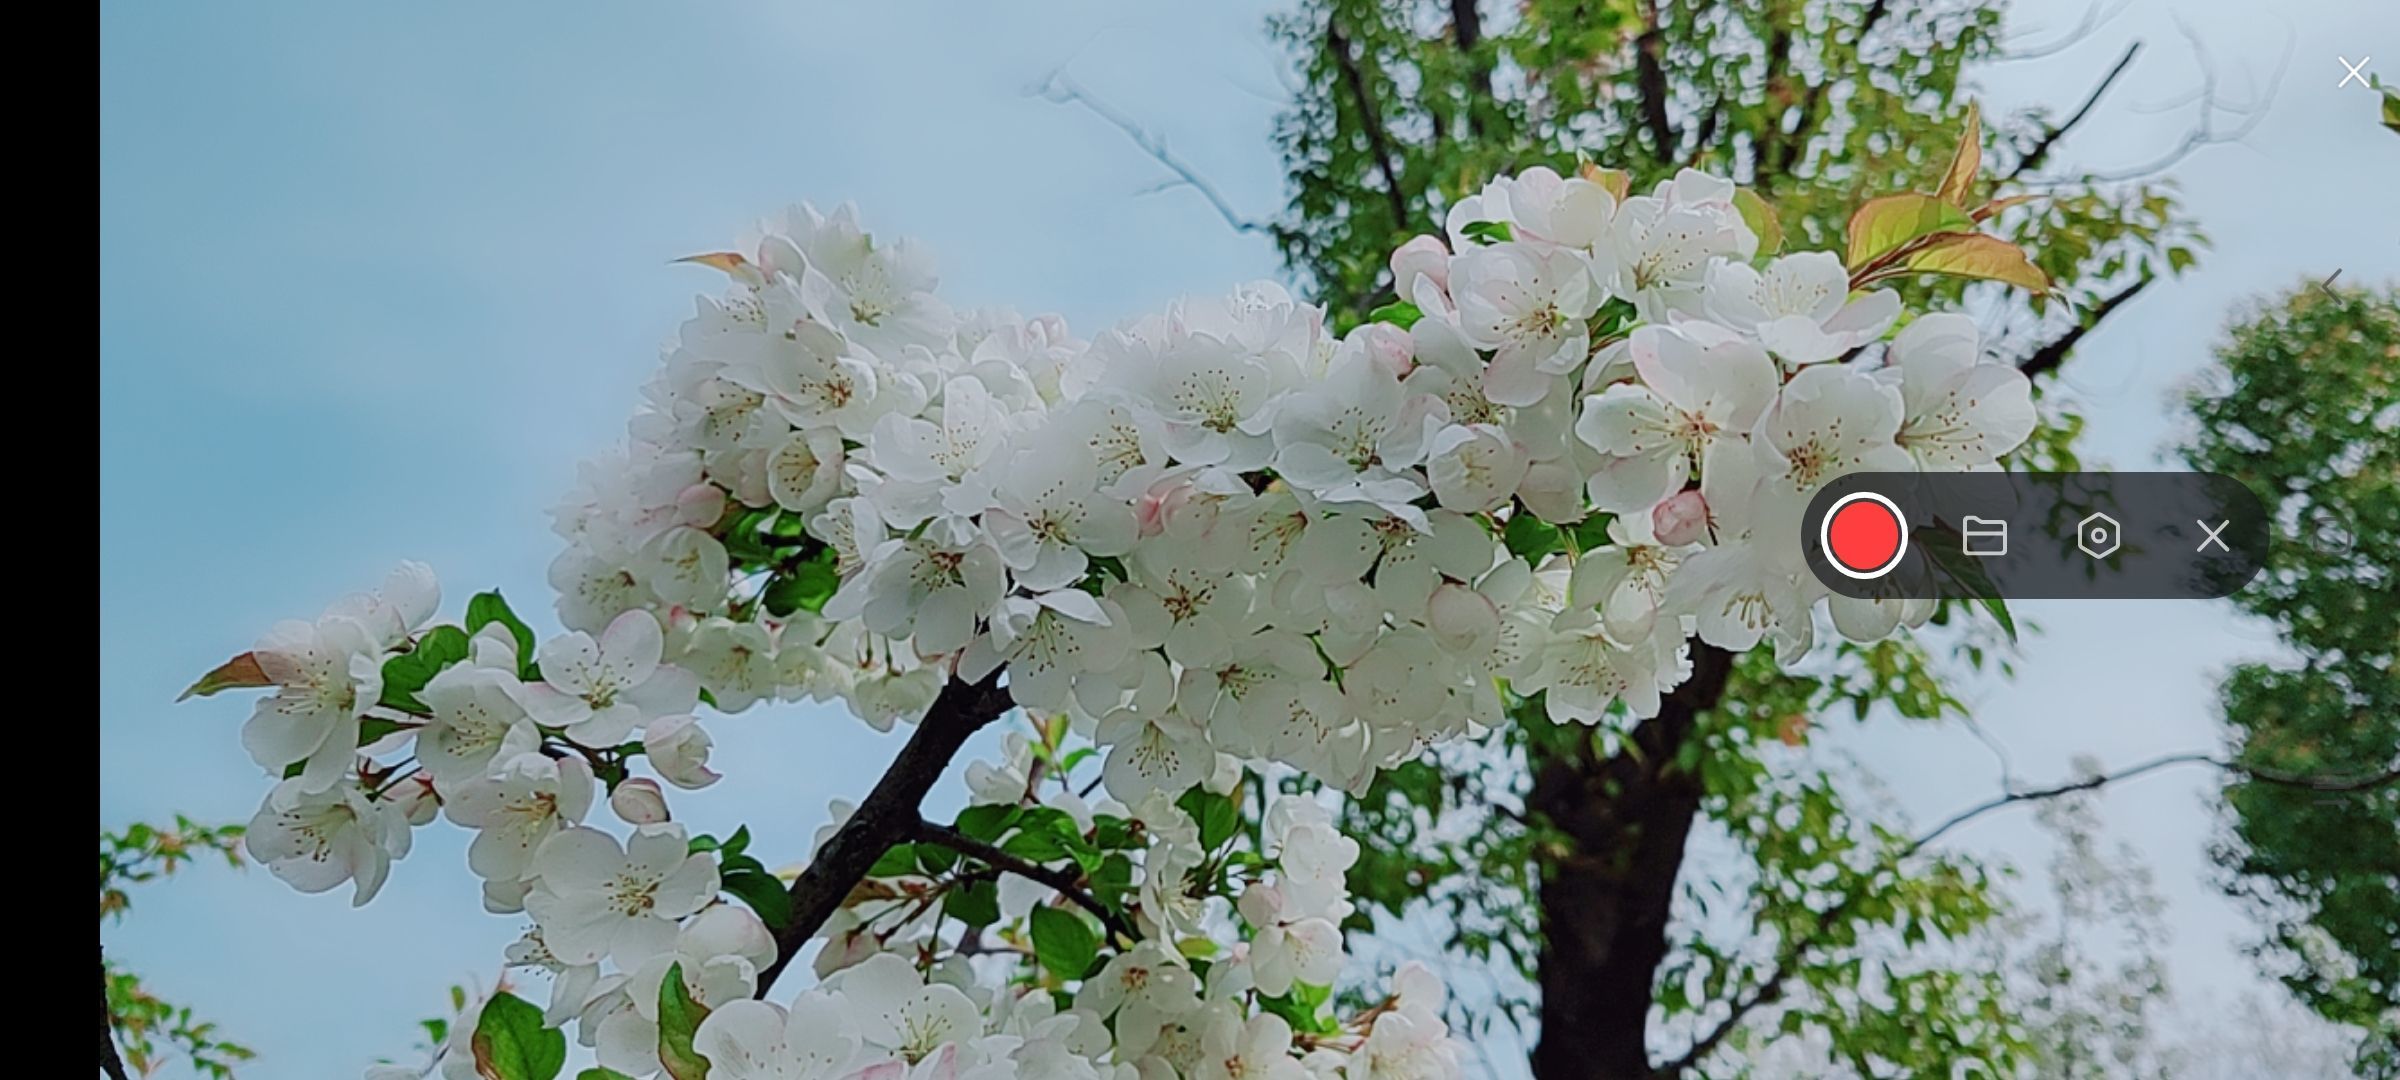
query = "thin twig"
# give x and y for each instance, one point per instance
(1061, 90)
(1064, 883)
(2094, 17)
(2041, 147)
(2205, 133)
(2051, 355)
(2331, 784)
(1379, 143)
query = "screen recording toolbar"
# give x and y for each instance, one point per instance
(2013, 535)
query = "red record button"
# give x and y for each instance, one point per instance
(1864, 535)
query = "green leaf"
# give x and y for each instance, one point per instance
(1114, 833)
(975, 903)
(1039, 847)
(748, 879)
(241, 671)
(1958, 181)
(1529, 537)
(985, 822)
(1882, 225)
(598, 1073)
(1064, 942)
(1975, 255)
(1399, 313)
(678, 1019)
(371, 728)
(1966, 572)
(899, 860)
(1302, 1008)
(1488, 232)
(1217, 815)
(1592, 532)
(487, 608)
(934, 860)
(805, 587)
(407, 673)
(745, 545)
(1762, 219)
(1112, 879)
(510, 1042)
(1614, 319)
(1046, 834)
(1999, 609)
(1046, 819)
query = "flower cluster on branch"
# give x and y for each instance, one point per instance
(1207, 552)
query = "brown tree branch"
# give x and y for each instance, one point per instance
(1650, 78)
(110, 1063)
(2051, 355)
(1369, 119)
(887, 816)
(1778, 63)
(1466, 29)
(1060, 881)
(1771, 988)
(1706, 134)
(2050, 135)
(1607, 892)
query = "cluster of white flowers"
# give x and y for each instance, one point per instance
(1221, 530)
(1207, 541)
(1211, 989)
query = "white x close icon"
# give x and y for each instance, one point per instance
(2212, 537)
(2356, 72)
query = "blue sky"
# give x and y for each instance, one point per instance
(374, 278)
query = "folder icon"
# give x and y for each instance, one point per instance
(1985, 537)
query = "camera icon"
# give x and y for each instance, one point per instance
(2098, 535)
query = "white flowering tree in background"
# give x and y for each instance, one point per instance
(1219, 566)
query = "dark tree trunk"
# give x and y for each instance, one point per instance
(1605, 898)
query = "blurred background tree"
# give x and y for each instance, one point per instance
(1570, 865)
(2304, 409)
(1541, 847)
(139, 1030)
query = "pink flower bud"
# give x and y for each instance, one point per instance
(1389, 346)
(700, 505)
(639, 802)
(1158, 505)
(1682, 519)
(1421, 255)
